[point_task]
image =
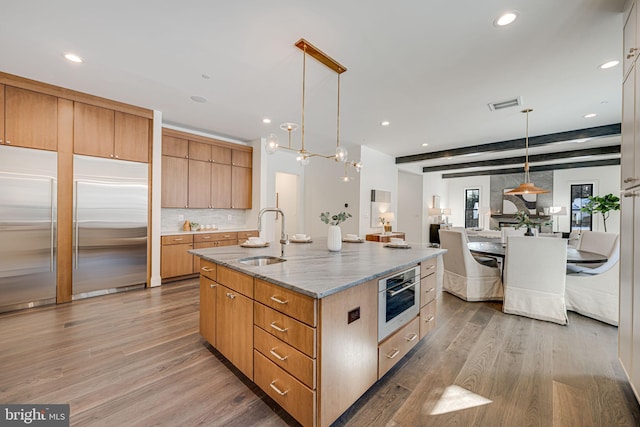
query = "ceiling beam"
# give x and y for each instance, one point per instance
(596, 151)
(515, 144)
(541, 168)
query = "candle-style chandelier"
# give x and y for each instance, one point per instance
(303, 155)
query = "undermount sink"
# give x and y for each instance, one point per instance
(261, 260)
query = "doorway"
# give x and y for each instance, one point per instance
(287, 199)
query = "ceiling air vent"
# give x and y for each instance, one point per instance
(508, 103)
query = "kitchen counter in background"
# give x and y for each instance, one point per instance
(311, 269)
(220, 230)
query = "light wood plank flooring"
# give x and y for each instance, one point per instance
(136, 359)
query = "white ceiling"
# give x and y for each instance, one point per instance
(429, 67)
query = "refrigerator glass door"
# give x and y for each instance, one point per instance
(27, 227)
(110, 225)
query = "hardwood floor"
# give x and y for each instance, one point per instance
(136, 359)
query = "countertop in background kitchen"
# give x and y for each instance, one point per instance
(220, 230)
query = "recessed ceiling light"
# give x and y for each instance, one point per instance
(590, 115)
(425, 144)
(200, 99)
(73, 58)
(266, 120)
(505, 19)
(385, 123)
(609, 64)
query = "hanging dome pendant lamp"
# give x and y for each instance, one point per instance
(527, 186)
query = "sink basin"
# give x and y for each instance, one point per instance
(261, 260)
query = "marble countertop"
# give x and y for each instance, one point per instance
(311, 269)
(219, 230)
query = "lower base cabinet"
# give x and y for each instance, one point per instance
(397, 346)
(234, 328)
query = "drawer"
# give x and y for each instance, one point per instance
(294, 397)
(287, 329)
(288, 358)
(397, 346)
(208, 269)
(244, 235)
(428, 266)
(177, 239)
(294, 304)
(210, 237)
(235, 280)
(427, 289)
(427, 318)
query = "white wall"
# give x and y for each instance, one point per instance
(456, 195)
(605, 179)
(432, 185)
(410, 207)
(379, 172)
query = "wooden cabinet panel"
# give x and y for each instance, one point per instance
(30, 120)
(175, 182)
(234, 328)
(220, 186)
(208, 309)
(207, 268)
(428, 289)
(131, 137)
(220, 155)
(397, 346)
(197, 261)
(428, 266)
(176, 239)
(244, 235)
(175, 147)
(93, 130)
(285, 356)
(427, 318)
(235, 280)
(199, 183)
(240, 188)
(2, 119)
(241, 158)
(176, 261)
(294, 304)
(289, 330)
(294, 397)
(199, 151)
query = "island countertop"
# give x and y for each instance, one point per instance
(311, 269)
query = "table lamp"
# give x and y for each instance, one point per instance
(557, 211)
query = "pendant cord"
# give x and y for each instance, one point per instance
(526, 147)
(304, 79)
(338, 120)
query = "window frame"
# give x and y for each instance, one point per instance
(574, 213)
(475, 218)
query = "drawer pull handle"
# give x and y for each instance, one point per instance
(227, 235)
(280, 392)
(394, 354)
(212, 286)
(206, 237)
(278, 300)
(207, 269)
(278, 328)
(431, 267)
(630, 179)
(277, 356)
(230, 295)
(430, 319)
(412, 337)
(430, 290)
(177, 240)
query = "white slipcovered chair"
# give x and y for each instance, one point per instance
(593, 292)
(535, 277)
(465, 277)
(505, 232)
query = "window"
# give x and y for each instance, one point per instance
(471, 208)
(580, 194)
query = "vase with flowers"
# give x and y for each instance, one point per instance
(334, 233)
(525, 221)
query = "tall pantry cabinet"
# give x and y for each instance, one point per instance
(629, 322)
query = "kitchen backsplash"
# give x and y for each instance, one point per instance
(220, 218)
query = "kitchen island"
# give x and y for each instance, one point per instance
(305, 330)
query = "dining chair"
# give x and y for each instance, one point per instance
(535, 278)
(505, 232)
(465, 277)
(594, 291)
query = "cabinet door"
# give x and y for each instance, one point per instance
(93, 130)
(31, 119)
(629, 39)
(220, 155)
(220, 186)
(176, 147)
(629, 130)
(199, 184)
(1, 114)
(240, 188)
(241, 158)
(208, 309)
(625, 326)
(199, 151)
(175, 182)
(131, 137)
(196, 259)
(176, 260)
(234, 328)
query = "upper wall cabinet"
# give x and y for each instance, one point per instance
(175, 147)
(103, 132)
(30, 119)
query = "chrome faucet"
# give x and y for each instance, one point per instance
(284, 239)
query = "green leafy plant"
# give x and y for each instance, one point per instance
(525, 221)
(602, 204)
(336, 219)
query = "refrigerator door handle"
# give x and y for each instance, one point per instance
(75, 218)
(52, 201)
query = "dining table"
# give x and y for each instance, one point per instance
(574, 256)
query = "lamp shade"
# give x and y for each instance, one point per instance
(435, 211)
(527, 188)
(446, 211)
(389, 216)
(557, 210)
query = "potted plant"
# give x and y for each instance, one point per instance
(334, 236)
(602, 204)
(525, 221)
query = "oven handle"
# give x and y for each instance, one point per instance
(394, 293)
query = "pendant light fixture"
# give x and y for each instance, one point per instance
(527, 186)
(303, 156)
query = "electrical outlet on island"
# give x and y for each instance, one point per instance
(180, 217)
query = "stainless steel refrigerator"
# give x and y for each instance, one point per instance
(27, 227)
(110, 216)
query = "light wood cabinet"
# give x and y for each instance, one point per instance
(30, 119)
(102, 132)
(241, 158)
(2, 115)
(241, 189)
(220, 196)
(175, 182)
(199, 184)
(212, 240)
(208, 309)
(397, 345)
(175, 147)
(175, 260)
(234, 328)
(427, 318)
